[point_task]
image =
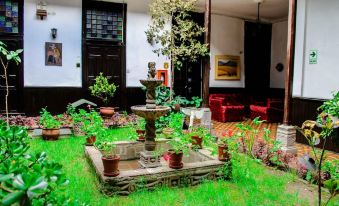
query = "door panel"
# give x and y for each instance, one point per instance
(106, 60)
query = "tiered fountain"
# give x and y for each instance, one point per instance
(150, 112)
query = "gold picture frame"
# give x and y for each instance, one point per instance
(227, 67)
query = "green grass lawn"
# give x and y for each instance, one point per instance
(252, 183)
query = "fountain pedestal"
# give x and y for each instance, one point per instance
(150, 111)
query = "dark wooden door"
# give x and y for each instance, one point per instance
(15, 79)
(107, 60)
(257, 57)
(188, 80)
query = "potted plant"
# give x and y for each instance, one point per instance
(175, 123)
(110, 159)
(91, 126)
(197, 135)
(103, 90)
(50, 126)
(223, 146)
(179, 147)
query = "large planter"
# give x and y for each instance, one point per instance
(141, 135)
(111, 166)
(223, 154)
(197, 142)
(50, 134)
(168, 132)
(106, 111)
(175, 160)
(90, 140)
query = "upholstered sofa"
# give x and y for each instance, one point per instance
(226, 107)
(273, 111)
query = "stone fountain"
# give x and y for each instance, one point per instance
(150, 112)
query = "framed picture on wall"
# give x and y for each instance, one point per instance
(163, 75)
(53, 54)
(227, 67)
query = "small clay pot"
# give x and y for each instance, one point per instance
(223, 154)
(106, 111)
(168, 132)
(111, 166)
(175, 160)
(90, 140)
(141, 135)
(50, 134)
(197, 142)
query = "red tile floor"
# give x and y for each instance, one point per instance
(219, 127)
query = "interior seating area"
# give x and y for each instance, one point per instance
(237, 107)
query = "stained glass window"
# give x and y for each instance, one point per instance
(9, 16)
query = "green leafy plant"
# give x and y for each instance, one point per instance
(329, 108)
(102, 89)
(313, 137)
(140, 124)
(333, 187)
(27, 179)
(179, 42)
(91, 123)
(248, 134)
(48, 121)
(180, 143)
(6, 57)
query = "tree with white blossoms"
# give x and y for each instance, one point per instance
(5, 58)
(172, 28)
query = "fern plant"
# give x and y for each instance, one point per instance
(102, 89)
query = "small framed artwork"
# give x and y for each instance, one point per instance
(53, 54)
(163, 75)
(227, 67)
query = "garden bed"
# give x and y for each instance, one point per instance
(198, 166)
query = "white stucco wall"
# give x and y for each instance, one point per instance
(227, 38)
(317, 28)
(278, 54)
(138, 50)
(64, 15)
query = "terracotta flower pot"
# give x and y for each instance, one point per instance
(141, 135)
(175, 160)
(197, 142)
(90, 140)
(111, 166)
(168, 132)
(223, 154)
(50, 134)
(107, 111)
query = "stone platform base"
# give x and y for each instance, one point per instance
(198, 167)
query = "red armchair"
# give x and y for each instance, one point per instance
(225, 109)
(272, 112)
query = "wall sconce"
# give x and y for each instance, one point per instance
(54, 32)
(41, 9)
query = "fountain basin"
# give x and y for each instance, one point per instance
(150, 114)
(151, 83)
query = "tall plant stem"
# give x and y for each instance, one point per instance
(319, 172)
(7, 90)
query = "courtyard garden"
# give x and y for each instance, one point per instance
(165, 152)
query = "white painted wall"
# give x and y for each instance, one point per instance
(64, 15)
(138, 50)
(317, 28)
(278, 54)
(227, 38)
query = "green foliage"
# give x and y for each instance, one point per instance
(178, 42)
(107, 149)
(27, 179)
(333, 187)
(248, 134)
(102, 89)
(48, 121)
(7, 57)
(91, 122)
(180, 143)
(163, 98)
(141, 124)
(176, 121)
(330, 107)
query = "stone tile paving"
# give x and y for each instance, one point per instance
(219, 128)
